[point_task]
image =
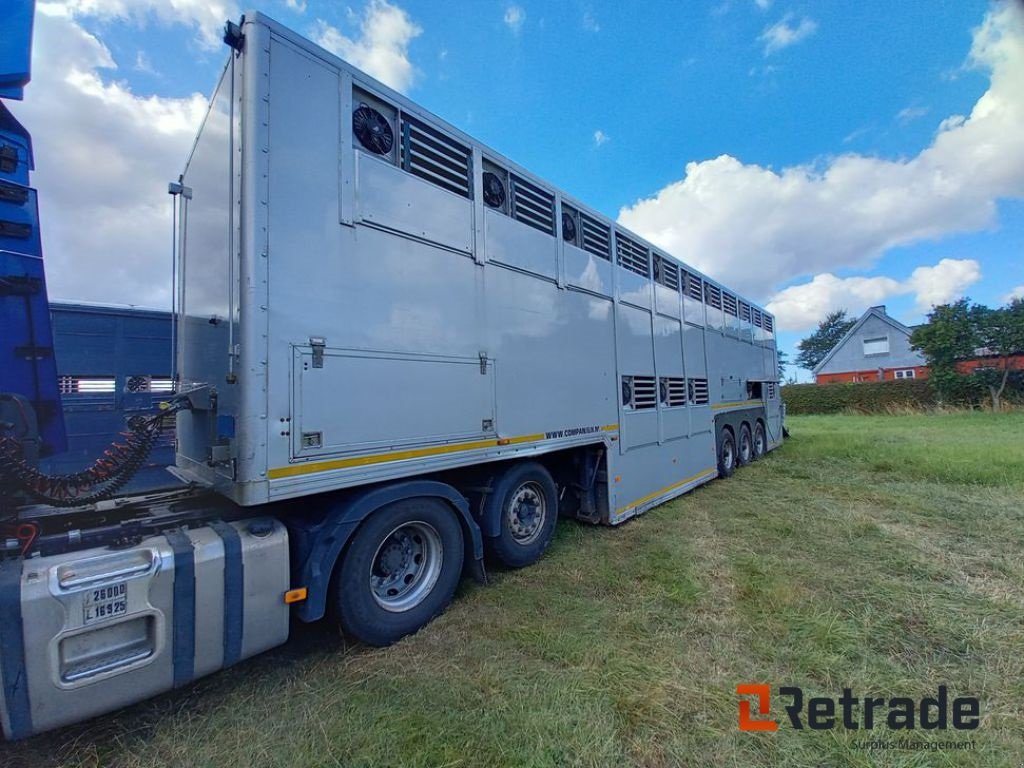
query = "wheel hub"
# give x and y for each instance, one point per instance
(406, 566)
(527, 511)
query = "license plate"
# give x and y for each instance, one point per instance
(106, 602)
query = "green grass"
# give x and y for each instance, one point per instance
(880, 553)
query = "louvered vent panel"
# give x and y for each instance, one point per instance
(632, 256)
(698, 391)
(596, 237)
(729, 305)
(533, 205)
(666, 273)
(712, 295)
(744, 312)
(693, 287)
(673, 391)
(757, 316)
(645, 392)
(769, 323)
(771, 390)
(431, 155)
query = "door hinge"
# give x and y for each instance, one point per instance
(318, 343)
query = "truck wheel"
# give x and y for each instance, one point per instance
(746, 447)
(760, 444)
(726, 453)
(400, 570)
(525, 502)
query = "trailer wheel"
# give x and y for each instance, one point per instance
(525, 502)
(726, 453)
(745, 453)
(760, 444)
(400, 570)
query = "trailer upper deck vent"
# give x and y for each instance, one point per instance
(666, 273)
(570, 225)
(430, 154)
(632, 255)
(596, 237)
(533, 206)
(693, 287)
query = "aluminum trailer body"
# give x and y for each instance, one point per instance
(364, 316)
(398, 350)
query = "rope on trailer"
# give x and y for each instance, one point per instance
(107, 475)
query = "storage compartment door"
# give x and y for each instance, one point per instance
(352, 401)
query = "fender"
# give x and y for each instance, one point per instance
(318, 545)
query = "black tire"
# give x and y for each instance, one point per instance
(760, 441)
(745, 449)
(526, 530)
(726, 453)
(375, 571)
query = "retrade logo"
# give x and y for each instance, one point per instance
(853, 713)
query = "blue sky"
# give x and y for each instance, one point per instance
(822, 174)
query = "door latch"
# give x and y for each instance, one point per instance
(483, 363)
(318, 343)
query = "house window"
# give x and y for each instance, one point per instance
(907, 373)
(876, 346)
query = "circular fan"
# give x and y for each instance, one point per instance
(137, 384)
(627, 391)
(494, 190)
(568, 228)
(373, 130)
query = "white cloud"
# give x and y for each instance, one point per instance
(382, 48)
(207, 16)
(909, 114)
(786, 32)
(1015, 293)
(756, 228)
(104, 155)
(764, 5)
(600, 137)
(515, 16)
(590, 23)
(802, 306)
(297, 5)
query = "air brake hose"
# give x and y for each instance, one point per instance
(107, 475)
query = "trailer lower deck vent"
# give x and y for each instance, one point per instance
(645, 392)
(373, 130)
(494, 190)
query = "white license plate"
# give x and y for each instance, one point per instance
(106, 602)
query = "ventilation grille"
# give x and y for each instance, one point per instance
(756, 313)
(645, 392)
(596, 237)
(142, 383)
(666, 273)
(431, 155)
(712, 295)
(693, 287)
(729, 305)
(86, 385)
(533, 206)
(744, 312)
(673, 391)
(772, 390)
(632, 255)
(698, 391)
(769, 324)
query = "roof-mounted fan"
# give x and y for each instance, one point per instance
(494, 190)
(568, 227)
(373, 130)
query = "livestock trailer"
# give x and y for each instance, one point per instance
(396, 350)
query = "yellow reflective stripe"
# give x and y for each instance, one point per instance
(744, 404)
(666, 489)
(294, 470)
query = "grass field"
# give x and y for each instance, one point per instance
(885, 554)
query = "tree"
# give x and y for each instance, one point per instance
(783, 358)
(1001, 332)
(830, 330)
(962, 331)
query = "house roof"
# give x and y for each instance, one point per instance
(878, 312)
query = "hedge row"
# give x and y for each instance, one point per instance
(868, 397)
